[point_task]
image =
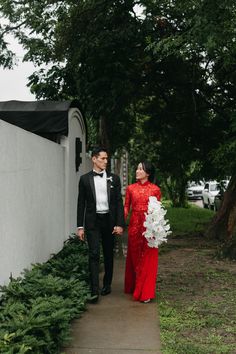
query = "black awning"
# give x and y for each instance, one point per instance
(39, 117)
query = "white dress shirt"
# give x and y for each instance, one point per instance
(100, 184)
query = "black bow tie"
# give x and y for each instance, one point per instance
(97, 174)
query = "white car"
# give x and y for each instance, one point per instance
(194, 190)
(210, 191)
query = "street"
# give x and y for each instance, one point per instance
(197, 202)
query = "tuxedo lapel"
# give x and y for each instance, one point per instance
(108, 187)
(91, 182)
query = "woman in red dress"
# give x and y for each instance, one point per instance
(141, 261)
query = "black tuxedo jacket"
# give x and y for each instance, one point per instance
(86, 209)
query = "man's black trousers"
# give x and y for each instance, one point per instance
(102, 233)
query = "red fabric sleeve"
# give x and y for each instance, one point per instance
(127, 202)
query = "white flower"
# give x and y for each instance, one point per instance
(157, 228)
(110, 179)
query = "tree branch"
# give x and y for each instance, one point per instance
(12, 28)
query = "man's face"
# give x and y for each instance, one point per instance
(100, 161)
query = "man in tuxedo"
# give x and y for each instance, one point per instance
(100, 215)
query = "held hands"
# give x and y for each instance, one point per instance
(80, 234)
(118, 230)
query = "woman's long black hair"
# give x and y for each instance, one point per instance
(149, 169)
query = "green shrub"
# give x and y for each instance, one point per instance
(36, 309)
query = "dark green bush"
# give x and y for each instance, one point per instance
(36, 309)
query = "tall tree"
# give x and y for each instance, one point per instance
(178, 114)
(204, 32)
(175, 68)
(94, 51)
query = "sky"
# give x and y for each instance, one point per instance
(13, 82)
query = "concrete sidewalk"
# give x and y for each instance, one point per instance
(116, 324)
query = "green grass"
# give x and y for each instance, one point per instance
(188, 220)
(196, 292)
(197, 315)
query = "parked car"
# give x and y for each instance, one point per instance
(210, 191)
(194, 190)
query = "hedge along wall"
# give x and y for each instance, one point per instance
(32, 199)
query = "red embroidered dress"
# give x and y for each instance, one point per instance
(141, 261)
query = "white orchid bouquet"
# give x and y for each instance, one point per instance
(157, 227)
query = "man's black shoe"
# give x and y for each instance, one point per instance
(106, 290)
(93, 299)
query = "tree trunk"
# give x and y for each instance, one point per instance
(103, 136)
(176, 190)
(117, 166)
(223, 225)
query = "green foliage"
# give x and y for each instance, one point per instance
(162, 86)
(36, 309)
(95, 51)
(199, 35)
(188, 129)
(6, 56)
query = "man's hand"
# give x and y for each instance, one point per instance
(118, 230)
(80, 234)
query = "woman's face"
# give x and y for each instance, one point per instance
(141, 175)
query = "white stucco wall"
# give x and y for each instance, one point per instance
(38, 193)
(32, 204)
(77, 129)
